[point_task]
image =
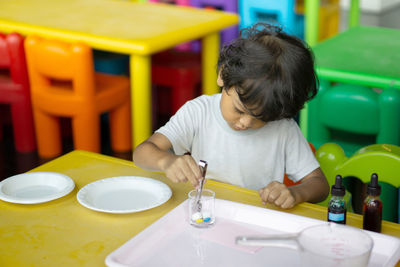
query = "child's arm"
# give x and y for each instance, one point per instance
(153, 154)
(313, 188)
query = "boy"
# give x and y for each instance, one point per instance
(246, 133)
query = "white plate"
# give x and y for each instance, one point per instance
(35, 187)
(124, 194)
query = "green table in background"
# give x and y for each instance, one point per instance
(361, 55)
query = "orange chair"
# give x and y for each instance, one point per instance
(64, 84)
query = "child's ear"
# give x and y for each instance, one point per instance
(220, 82)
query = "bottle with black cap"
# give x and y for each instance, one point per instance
(337, 205)
(372, 207)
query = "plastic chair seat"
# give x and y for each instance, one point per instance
(15, 91)
(63, 101)
(64, 84)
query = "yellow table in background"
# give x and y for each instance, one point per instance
(137, 29)
(64, 233)
(311, 19)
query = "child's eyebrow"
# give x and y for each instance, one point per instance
(239, 105)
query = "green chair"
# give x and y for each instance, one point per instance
(383, 159)
(354, 116)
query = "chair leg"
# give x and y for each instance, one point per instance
(120, 128)
(86, 131)
(24, 134)
(48, 134)
(389, 102)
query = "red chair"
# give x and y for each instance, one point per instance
(15, 92)
(181, 72)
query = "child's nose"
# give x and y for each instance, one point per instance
(246, 120)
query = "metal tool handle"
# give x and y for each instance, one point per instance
(281, 240)
(203, 167)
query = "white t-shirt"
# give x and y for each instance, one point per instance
(250, 158)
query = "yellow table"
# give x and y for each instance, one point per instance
(138, 29)
(311, 19)
(64, 233)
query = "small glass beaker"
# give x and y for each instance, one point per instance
(202, 213)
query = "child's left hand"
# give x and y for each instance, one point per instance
(278, 194)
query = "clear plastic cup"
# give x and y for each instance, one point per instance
(202, 215)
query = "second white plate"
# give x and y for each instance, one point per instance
(124, 194)
(35, 187)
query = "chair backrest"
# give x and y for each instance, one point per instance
(12, 58)
(354, 116)
(342, 107)
(382, 159)
(53, 62)
(282, 12)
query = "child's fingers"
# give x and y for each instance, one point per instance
(264, 193)
(280, 200)
(275, 189)
(277, 193)
(193, 171)
(180, 176)
(187, 172)
(181, 171)
(289, 203)
(285, 199)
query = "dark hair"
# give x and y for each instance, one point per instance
(272, 72)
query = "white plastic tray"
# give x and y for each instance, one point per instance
(171, 241)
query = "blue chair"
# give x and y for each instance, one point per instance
(111, 63)
(281, 12)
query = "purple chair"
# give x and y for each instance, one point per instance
(225, 5)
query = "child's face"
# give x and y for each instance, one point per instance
(234, 113)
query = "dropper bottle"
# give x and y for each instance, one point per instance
(337, 205)
(372, 207)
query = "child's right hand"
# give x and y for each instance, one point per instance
(181, 169)
(278, 194)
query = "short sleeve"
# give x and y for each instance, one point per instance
(300, 159)
(181, 128)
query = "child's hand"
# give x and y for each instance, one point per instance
(278, 194)
(182, 168)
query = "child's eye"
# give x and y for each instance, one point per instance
(238, 111)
